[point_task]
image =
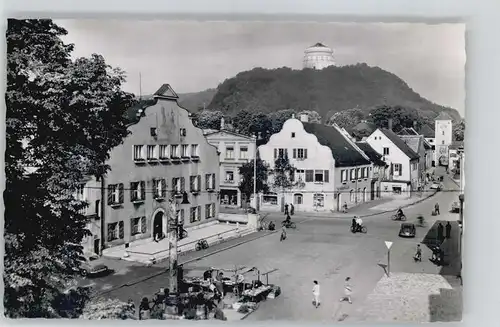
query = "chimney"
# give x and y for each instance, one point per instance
(390, 124)
(222, 123)
(304, 118)
(415, 125)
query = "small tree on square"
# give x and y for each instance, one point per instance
(283, 175)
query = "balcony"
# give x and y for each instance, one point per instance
(185, 158)
(195, 158)
(175, 159)
(139, 161)
(164, 159)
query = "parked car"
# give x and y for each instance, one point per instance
(91, 266)
(407, 230)
(436, 186)
(455, 207)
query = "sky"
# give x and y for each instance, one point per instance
(193, 56)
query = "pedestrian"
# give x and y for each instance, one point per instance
(436, 208)
(316, 291)
(347, 291)
(440, 230)
(286, 209)
(292, 209)
(448, 230)
(144, 309)
(283, 233)
(345, 207)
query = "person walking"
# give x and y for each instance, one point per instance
(286, 209)
(436, 208)
(347, 291)
(292, 209)
(283, 233)
(316, 291)
(448, 230)
(344, 207)
(440, 229)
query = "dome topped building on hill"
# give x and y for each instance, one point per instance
(318, 56)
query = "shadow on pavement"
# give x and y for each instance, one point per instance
(447, 305)
(452, 261)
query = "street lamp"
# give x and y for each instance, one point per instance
(175, 227)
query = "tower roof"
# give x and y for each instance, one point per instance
(443, 116)
(319, 44)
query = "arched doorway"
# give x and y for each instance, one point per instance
(158, 225)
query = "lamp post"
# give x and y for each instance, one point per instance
(175, 231)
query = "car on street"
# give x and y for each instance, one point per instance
(436, 186)
(407, 230)
(455, 207)
(91, 266)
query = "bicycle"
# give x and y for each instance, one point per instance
(201, 245)
(289, 225)
(398, 217)
(359, 230)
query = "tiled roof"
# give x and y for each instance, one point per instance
(408, 131)
(413, 141)
(427, 131)
(443, 116)
(374, 156)
(344, 153)
(400, 143)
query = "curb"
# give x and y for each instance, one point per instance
(144, 278)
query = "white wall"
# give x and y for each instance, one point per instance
(319, 157)
(378, 141)
(443, 132)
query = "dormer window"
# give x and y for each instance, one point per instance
(293, 135)
(152, 131)
(183, 132)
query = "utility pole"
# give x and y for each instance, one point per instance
(256, 202)
(175, 232)
(140, 86)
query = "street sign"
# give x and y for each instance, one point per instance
(388, 244)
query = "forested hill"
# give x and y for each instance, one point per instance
(326, 91)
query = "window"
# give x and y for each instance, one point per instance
(137, 226)
(309, 176)
(209, 181)
(152, 152)
(358, 173)
(182, 132)
(386, 151)
(293, 134)
(194, 150)
(174, 151)
(244, 152)
(318, 176)
(164, 152)
(353, 174)
(230, 152)
(282, 152)
(398, 169)
(138, 152)
(178, 184)
(319, 200)
(442, 142)
(152, 131)
(116, 231)
(98, 208)
(195, 183)
(137, 191)
(160, 188)
(195, 214)
(180, 216)
(209, 210)
(229, 176)
(343, 175)
(299, 153)
(185, 151)
(300, 174)
(442, 133)
(298, 198)
(115, 194)
(80, 192)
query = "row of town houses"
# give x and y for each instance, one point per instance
(167, 157)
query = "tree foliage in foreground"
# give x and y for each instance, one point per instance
(247, 173)
(62, 119)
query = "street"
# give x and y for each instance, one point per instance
(321, 249)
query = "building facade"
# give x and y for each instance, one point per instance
(164, 157)
(417, 144)
(443, 138)
(235, 151)
(329, 169)
(318, 56)
(379, 172)
(90, 191)
(403, 172)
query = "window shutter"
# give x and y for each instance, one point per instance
(327, 176)
(121, 229)
(163, 188)
(292, 176)
(110, 194)
(199, 213)
(198, 182)
(120, 190)
(213, 180)
(191, 183)
(207, 181)
(143, 190)
(132, 226)
(183, 184)
(305, 153)
(143, 225)
(174, 184)
(392, 169)
(132, 191)
(110, 232)
(286, 153)
(400, 170)
(275, 153)
(294, 153)
(309, 175)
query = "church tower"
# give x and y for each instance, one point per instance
(443, 138)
